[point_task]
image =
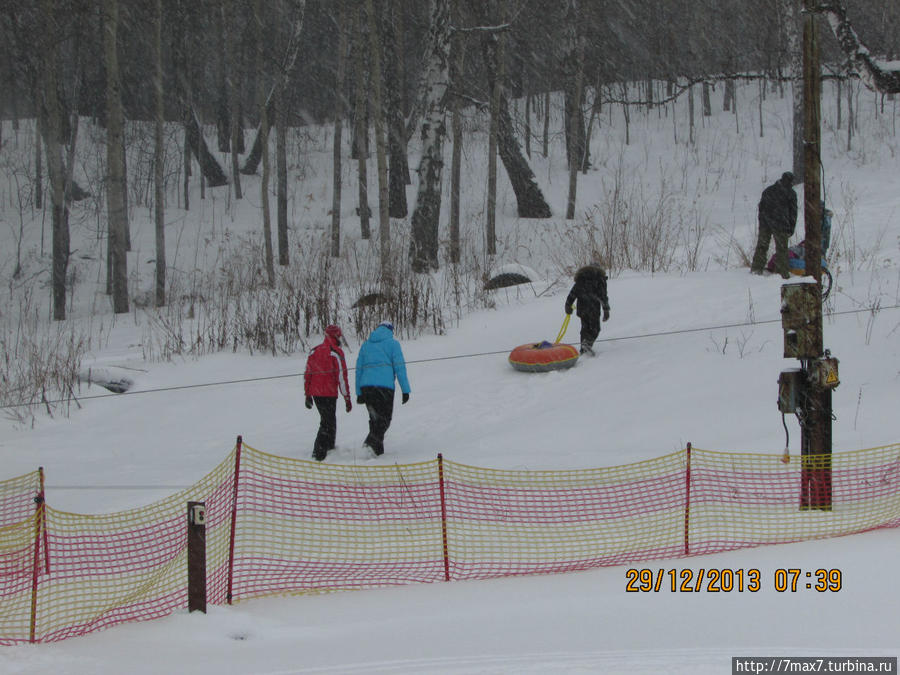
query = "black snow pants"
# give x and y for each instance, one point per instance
(327, 406)
(380, 404)
(590, 329)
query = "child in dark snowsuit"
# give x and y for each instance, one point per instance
(589, 292)
(324, 379)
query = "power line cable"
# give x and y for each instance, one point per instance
(249, 380)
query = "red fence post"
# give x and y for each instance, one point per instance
(36, 563)
(234, 496)
(440, 461)
(687, 502)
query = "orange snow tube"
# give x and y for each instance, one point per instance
(543, 357)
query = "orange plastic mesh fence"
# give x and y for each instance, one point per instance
(94, 571)
(307, 527)
(740, 500)
(19, 516)
(521, 522)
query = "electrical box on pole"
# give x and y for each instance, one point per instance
(791, 390)
(801, 314)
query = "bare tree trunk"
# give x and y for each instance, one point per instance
(691, 111)
(529, 198)
(399, 166)
(527, 123)
(231, 82)
(223, 103)
(399, 23)
(158, 163)
(546, 143)
(339, 112)
(456, 158)
(38, 171)
(52, 124)
(281, 179)
(115, 161)
(578, 151)
(573, 67)
(209, 165)
(495, 53)
(595, 113)
(426, 214)
(384, 218)
(761, 98)
(850, 114)
(286, 69)
(705, 101)
(791, 22)
(186, 157)
(361, 127)
(837, 101)
(263, 137)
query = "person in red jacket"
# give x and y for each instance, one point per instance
(326, 377)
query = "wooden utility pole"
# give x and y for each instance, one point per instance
(815, 438)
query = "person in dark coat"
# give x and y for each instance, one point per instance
(379, 363)
(590, 299)
(326, 377)
(777, 220)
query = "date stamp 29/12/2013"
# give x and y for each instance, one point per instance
(731, 580)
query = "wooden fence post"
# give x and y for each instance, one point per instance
(196, 556)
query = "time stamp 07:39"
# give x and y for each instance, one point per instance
(728, 580)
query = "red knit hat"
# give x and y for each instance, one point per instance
(333, 332)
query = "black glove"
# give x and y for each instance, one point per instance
(359, 399)
(405, 399)
(309, 403)
(349, 405)
(606, 314)
(568, 309)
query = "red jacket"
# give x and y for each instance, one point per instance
(325, 367)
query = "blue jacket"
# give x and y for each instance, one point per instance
(380, 359)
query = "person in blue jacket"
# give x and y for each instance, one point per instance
(379, 362)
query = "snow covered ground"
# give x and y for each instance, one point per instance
(666, 373)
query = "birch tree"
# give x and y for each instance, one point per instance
(263, 139)
(384, 218)
(877, 74)
(426, 214)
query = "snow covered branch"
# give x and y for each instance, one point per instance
(880, 75)
(500, 28)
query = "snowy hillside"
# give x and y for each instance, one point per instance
(691, 353)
